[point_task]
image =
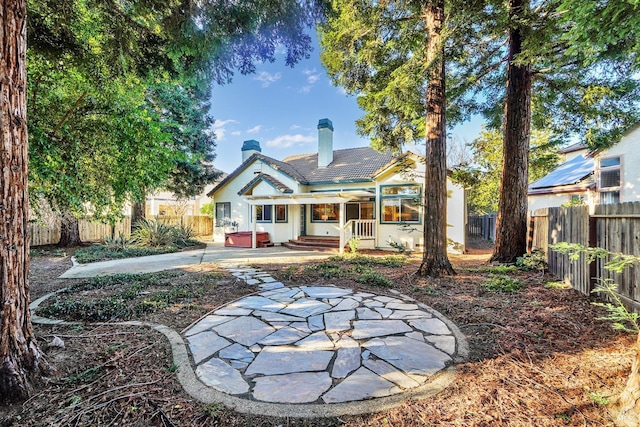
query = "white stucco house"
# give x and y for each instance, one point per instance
(605, 176)
(341, 194)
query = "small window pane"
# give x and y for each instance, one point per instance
(391, 210)
(609, 197)
(263, 213)
(367, 210)
(610, 178)
(401, 190)
(611, 161)
(281, 213)
(325, 212)
(410, 212)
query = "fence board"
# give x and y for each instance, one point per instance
(614, 227)
(49, 233)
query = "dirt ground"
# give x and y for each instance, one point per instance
(539, 356)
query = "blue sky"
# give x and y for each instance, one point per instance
(280, 107)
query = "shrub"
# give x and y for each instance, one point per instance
(150, 233)
(353, 244)
(501, 283)
(536, 260)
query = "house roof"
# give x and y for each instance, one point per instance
(263, 177)
(568, 173)
(574, 147)
(353, 164)
(349, 165)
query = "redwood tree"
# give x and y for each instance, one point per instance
(511, 223)
(434, 260)
(22, 360)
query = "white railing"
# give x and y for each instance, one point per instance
(363, 229)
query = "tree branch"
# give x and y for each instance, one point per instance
(68, 114)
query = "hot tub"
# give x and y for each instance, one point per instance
(242, 239)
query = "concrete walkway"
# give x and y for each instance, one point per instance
(303, 350)
(214, 252)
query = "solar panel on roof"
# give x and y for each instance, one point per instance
(571, 172)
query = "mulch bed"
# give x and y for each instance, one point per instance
(538, 357)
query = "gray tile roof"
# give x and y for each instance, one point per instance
(352, 164)
(349, 165)
(269, 179)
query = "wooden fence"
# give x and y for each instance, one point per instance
(483, 226)
(614, 227)
(202, 225)
(49, 233)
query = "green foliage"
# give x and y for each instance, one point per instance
(129, 296)
(117, 244)
(86, 376)
(482, 178)
(599, 399)
(398, 246)
(328, 269)
(536, 260)
(208, 209)
(387, 261)
(502, 283)
(556, 285)
(358, 268)
(156, 234)
(97, 253)
(353, 245)
(620, 318)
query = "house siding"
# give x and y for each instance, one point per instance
(628, 149)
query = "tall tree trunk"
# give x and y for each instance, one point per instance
(626, 408)
(22, 362)
(511, 223)
(69, 231)
(434, 259)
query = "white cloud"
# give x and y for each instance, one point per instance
(267, 79)
(312, 77)
(286, 141)
(254, 129)
(236, 133)
(219, 127)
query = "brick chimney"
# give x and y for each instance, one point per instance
(325, 143)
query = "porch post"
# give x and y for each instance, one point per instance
(253, 229)
(341, 227)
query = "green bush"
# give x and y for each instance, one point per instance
(501, 283)
(101, 253)
(154, 234)
(536, 260)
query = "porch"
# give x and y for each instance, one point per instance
(338, 235)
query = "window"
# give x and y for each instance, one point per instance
(223, 214)
(281, 213)
(325, 212)
(360, 210)
(263, 213)
(400, 203)
(609, 180)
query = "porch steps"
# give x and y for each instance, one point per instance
(265, 244)
(314, 243)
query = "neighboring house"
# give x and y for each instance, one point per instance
(165, 203)
(340, 194)
(605, 176)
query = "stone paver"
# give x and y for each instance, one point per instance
(318, 344)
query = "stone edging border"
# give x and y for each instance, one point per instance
(197, 390)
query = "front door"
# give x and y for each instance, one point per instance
(303, 220)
